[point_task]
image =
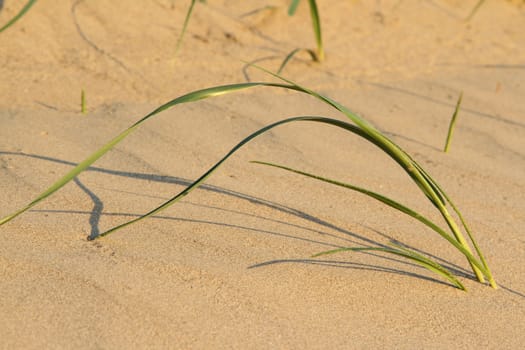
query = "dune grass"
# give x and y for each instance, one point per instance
(19, 15)
(359, 127)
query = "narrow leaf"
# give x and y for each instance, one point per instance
(453, 123)
(293, 7)
(316, 24)
(185, 25)
(18, 15)
(407, 254)
(83, 108)
(391, 203)
(292, 54)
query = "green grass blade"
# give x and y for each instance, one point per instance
(316, 24)
(488, 273)
(407, 254)
(368, 131)
(453, 123)
(429, 264)
(293, 7)
(403, 159)
(201, 179)
(18, 15)
(334, 122)
(292, 54)
(413, 169)
(391, 203)
(185, 25)
(208, 173)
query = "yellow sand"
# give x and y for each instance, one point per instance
(230, 266)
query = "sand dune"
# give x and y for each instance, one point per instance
(230, 266)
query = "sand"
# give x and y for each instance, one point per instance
(230, 265)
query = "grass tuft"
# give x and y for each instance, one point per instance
(359, 127)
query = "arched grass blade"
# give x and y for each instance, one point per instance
(401, 157)
(334, 122)
(407, 254)
(19, 15)
(428, 186)
(207, 174)
(488, 273)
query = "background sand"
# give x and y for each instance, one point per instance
(229, 266)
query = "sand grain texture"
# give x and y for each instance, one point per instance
(230, 266)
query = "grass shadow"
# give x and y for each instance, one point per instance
(98, 205)
(350, 237)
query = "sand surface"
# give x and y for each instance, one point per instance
(230, 265)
